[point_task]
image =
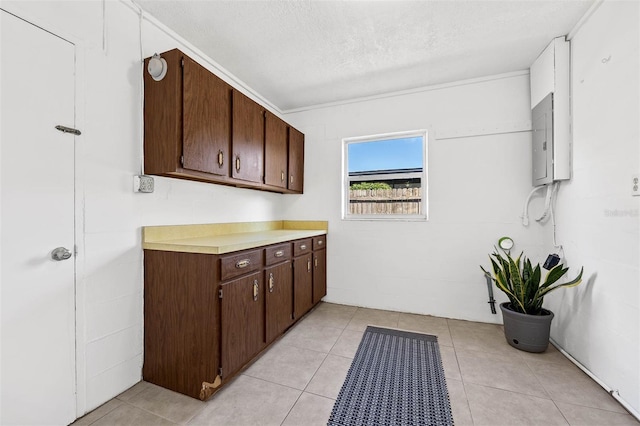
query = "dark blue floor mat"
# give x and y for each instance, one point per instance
(396, 378)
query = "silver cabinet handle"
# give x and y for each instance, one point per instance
(255, 290)
(220, 158)
(309, 265)
(60, 253)
(237, 163)
(279, 253)
(303, 247)
(243, 263)
(271, 282)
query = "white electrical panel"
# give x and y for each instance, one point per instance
(550, 105)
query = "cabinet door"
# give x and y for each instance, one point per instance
(275, 151)
(247, 139)
(242, 321)
(206, 120)
(278, 299)
(302, 285)
(296, 160)
(163, 117)
(319, 275)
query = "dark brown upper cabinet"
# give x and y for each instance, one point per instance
(198, 127)
(163, 118)
(207, 120)
(296, 160)
(187, 121)
(276, 151)
(247, 134)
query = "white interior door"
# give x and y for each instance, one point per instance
(38, 377)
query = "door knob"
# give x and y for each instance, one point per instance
(60, 253)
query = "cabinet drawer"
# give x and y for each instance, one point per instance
(301, 247)
(319, 242)
(239, 264)
(276, 254)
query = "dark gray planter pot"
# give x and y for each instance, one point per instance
(526, 332)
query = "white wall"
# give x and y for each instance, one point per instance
(479, 173)
(109, 214)
(598, 323)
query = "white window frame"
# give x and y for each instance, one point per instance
(423, 180)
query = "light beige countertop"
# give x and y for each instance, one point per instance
(220, 238)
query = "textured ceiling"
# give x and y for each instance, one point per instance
(303, 53)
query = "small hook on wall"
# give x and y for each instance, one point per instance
(605, 60)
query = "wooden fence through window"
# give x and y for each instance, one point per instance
(385, 201)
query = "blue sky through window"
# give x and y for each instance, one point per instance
(390, 154)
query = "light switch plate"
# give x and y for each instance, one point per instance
(143, 183)
(635, 185)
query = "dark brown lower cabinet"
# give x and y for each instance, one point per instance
(241, 321)
(319, 275)
(181, 325)
(302, 285)
(206, 316)
(278, 299)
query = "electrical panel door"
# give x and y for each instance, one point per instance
(543, 141)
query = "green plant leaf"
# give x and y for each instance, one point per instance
(534, 285)
(516, 278)
(554, 275)
(505, 264)
(571, 283)
(500, 278)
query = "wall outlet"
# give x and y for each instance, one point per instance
(635, 185)
(143, 183)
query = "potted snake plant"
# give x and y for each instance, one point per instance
(526, 322)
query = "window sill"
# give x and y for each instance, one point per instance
(387, 218)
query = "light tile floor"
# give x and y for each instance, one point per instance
(298, 379)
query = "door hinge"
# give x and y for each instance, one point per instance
(182, 62)
(182, 160)
(65, 129)
(220, 294)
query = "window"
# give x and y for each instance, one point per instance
(385, 177)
